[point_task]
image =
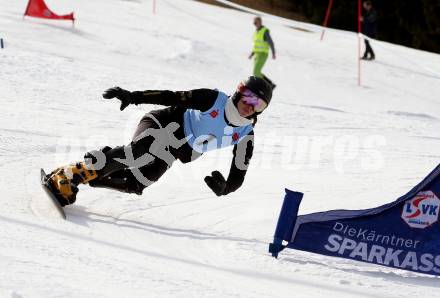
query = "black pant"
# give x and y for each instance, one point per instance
(368, 50)
(150, 141)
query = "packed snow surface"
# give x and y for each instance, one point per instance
(343, 145)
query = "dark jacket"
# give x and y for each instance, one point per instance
(369, 24)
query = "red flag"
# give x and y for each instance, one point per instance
(39, 9)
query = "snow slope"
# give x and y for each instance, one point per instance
(343, 145)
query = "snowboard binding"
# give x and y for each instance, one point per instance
(63, 182)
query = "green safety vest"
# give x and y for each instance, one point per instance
(260, 45)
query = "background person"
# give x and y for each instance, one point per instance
(369, 28)
(260, 52)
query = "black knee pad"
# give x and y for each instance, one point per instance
(122, 180)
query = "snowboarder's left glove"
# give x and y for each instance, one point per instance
(217, 183)
(123, 95)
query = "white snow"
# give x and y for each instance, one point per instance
(343, 145)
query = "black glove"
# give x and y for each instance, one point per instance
(217, 183)
(123, 95)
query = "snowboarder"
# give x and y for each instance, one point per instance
(195, 122)
(260, 52)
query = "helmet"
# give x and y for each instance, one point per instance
(260, 87)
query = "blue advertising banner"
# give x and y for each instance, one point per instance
(404, 234)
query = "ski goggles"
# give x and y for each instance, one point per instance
(250, 98)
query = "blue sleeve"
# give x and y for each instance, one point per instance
(269, 40)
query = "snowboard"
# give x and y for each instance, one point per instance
(51, 195)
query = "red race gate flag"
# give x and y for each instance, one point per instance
(39, 9)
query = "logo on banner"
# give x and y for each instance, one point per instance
(422, 210)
